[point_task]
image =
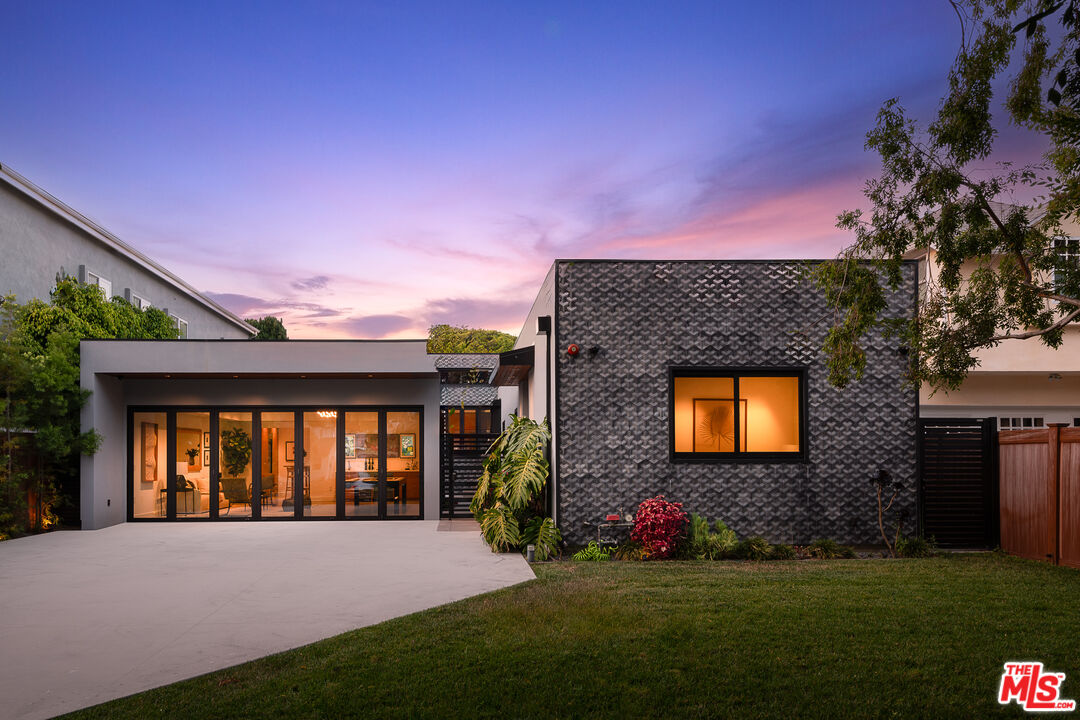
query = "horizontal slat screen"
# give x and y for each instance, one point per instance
(957, 472)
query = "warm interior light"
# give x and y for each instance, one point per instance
(327, 413)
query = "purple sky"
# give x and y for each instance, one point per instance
(369, 170)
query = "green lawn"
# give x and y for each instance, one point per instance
(845, 638)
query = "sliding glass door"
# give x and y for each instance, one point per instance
(275, 463)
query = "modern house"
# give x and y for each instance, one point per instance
(697, 379)
(47, 237)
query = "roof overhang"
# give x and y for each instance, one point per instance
(116, 245)
(514, 366)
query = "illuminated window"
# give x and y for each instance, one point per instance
(737, 414)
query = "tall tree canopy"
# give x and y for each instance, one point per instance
(461, 339)
(269, 327)
(1005, 270)
(41, 437)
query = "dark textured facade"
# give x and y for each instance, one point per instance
(612, 422)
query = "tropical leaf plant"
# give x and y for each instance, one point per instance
(542, 533)
(509, 492)
(500, 528)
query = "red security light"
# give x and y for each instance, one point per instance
(573, 350)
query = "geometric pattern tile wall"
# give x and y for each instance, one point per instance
(612, 408)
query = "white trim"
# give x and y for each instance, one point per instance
(138, 301)
(93, 277)
(115, 244)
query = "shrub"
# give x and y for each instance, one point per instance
(509, 492)
(827, 549)
(658, 524)
(754, 548)
(782, 552)
(724, 539)
(701, 543)
(542, 533)
(592, 551)
(629, 551)
(916, 547)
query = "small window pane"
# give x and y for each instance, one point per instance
(149, 464)
(704, 417)
(771, 408)
(470, 421)
(483, 421)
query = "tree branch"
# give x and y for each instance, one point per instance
(1062, 322)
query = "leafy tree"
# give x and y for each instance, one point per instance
(269, 327)
(461, 339)
(996, 271)
(39, 361)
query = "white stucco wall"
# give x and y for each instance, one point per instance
(115, 372)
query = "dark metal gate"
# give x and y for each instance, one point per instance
(959, 481)
(462, 462)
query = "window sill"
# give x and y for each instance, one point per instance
(739, 459)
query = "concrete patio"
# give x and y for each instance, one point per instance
(91, 616)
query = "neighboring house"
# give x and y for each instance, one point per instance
(41, 236)
(1020, 383)
(687, 378)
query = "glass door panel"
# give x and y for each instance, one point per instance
(148, 460)
(278, 450)
(361, 464)
(320, 455)
(403, 463)
(234, 464)
(192, 464)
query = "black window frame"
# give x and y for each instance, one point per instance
(170, 411)
(734, 372)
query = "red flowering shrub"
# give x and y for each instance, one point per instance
(658, 525)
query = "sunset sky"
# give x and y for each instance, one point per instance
(367, 170)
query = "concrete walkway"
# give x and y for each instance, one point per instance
(91, 616)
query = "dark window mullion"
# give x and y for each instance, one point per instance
(340, 449)
(381, 495)
(170, 464)
(215, 480)
(299, 501)
(737, 409)
(256, 464)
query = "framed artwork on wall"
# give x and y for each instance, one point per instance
(367, 445)
(206, 440)
(408, 445)
(714, 425)
(290, 451)
(350, 445)
(206, 457)
(393, 447)
(149, 452)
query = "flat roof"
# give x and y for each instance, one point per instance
(258, 358)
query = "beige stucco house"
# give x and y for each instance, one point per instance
(1019, 383)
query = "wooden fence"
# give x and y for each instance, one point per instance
(1040, 493)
